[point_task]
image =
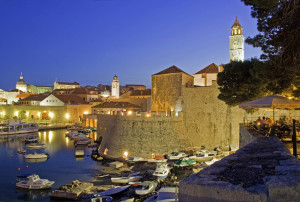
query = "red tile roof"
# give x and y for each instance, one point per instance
(71, 99)
(141, 92)
(170, 70)
(34, 97)
(212, 68)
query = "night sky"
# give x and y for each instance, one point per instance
(89, 41)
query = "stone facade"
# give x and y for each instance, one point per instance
(167, 88)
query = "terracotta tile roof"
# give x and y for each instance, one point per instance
(141, 92)
(170, 70)
(81, 90)
(123, 105)
(60, 91)
(212, 68)
(24, 95)
(71, 99)
(38, 97)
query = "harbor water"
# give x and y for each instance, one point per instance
(62, 166)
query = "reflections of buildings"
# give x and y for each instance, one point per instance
(55, 140)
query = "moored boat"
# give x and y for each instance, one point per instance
(124, 180)
(83, 141)
(176, 155)
(161, 171)
(36, 146)
(21, 151)
(34, 182)
(112, 191)
(135, 159)
(36, 156)
(184, 162)
(16, 126)
(29, 140)
(146, 187)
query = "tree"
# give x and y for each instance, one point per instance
(238, 82)
(278, 22)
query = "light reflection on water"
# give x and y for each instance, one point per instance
(62, 166)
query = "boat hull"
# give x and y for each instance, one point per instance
(26, 186)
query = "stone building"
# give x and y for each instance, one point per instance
(205, 76)
(21, 84)
(114, 108)
(236, 41)
(66, 85)
(167, 87)
(39, 89)
(9, 97)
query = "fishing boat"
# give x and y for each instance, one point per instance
(73, 191)
(83, 141)
(84, 130)
(162, 171)
(212, 161)
(204, 156)
(102, 199)
(36, 156)
(70, 134)
(15, 126)
(135, 159)
(36, 146)
(112, 191)
(146, 187)
(33, 181)
(124, 180)
(157, 160)
(29, 140)
(184, 162)
(176, 155)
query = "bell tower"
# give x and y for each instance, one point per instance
(115, 87)
(236, 47)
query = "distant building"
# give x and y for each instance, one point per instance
(205, 76)
(115, 107)
(9, 97)
(21, 84)
(237, 39)
(39, 89)
(65, 85)
(115, 87)
(82, 92)
(167, 87)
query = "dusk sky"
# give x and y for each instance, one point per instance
(89, 41)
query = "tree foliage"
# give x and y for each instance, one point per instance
(238, 82)
(278, 22)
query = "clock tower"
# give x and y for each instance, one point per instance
(237, 39)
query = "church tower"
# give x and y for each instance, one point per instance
(237, 39)
(115, 87)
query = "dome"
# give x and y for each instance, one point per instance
(21, 84)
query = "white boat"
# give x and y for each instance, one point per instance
(34, 182)
(124, 180)
(21, 151)
(83, 141)
(84, 130)
(212, 161)
(146, 187)
(161, 171)
(112, 191)
(72, 128)
(176, 155)
(135, 159)
(36, 146)
(157, 160)
(31, 140)
(70, 134)
(15, 126)
(204, 155)
(36, 156)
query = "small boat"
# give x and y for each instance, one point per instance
(102, 199)
(78, 137)
(176, 155)
(135, 160)
(70, 134)
(31, 140)
(84, 130)
(36, 156)
(212, 161)
(83, 141)
(73, 191)
(36, 146)
(79, 153)
(124, 180)
(157, 160)
(162, 171)
(34, 182)
(72, 128)
(184, 162)
(204, 156)
(112, 191)
(21, 151)
(146, 187)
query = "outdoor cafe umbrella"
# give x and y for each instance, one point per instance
(271, 101)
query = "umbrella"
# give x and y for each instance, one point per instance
(271, 101)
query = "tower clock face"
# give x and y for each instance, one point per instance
(235, 45)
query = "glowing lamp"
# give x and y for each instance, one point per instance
(129, 112)
(125, 155)
(86, 112)
(51, 115)
(67, 115)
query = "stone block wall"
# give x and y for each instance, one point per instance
(263, 170)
